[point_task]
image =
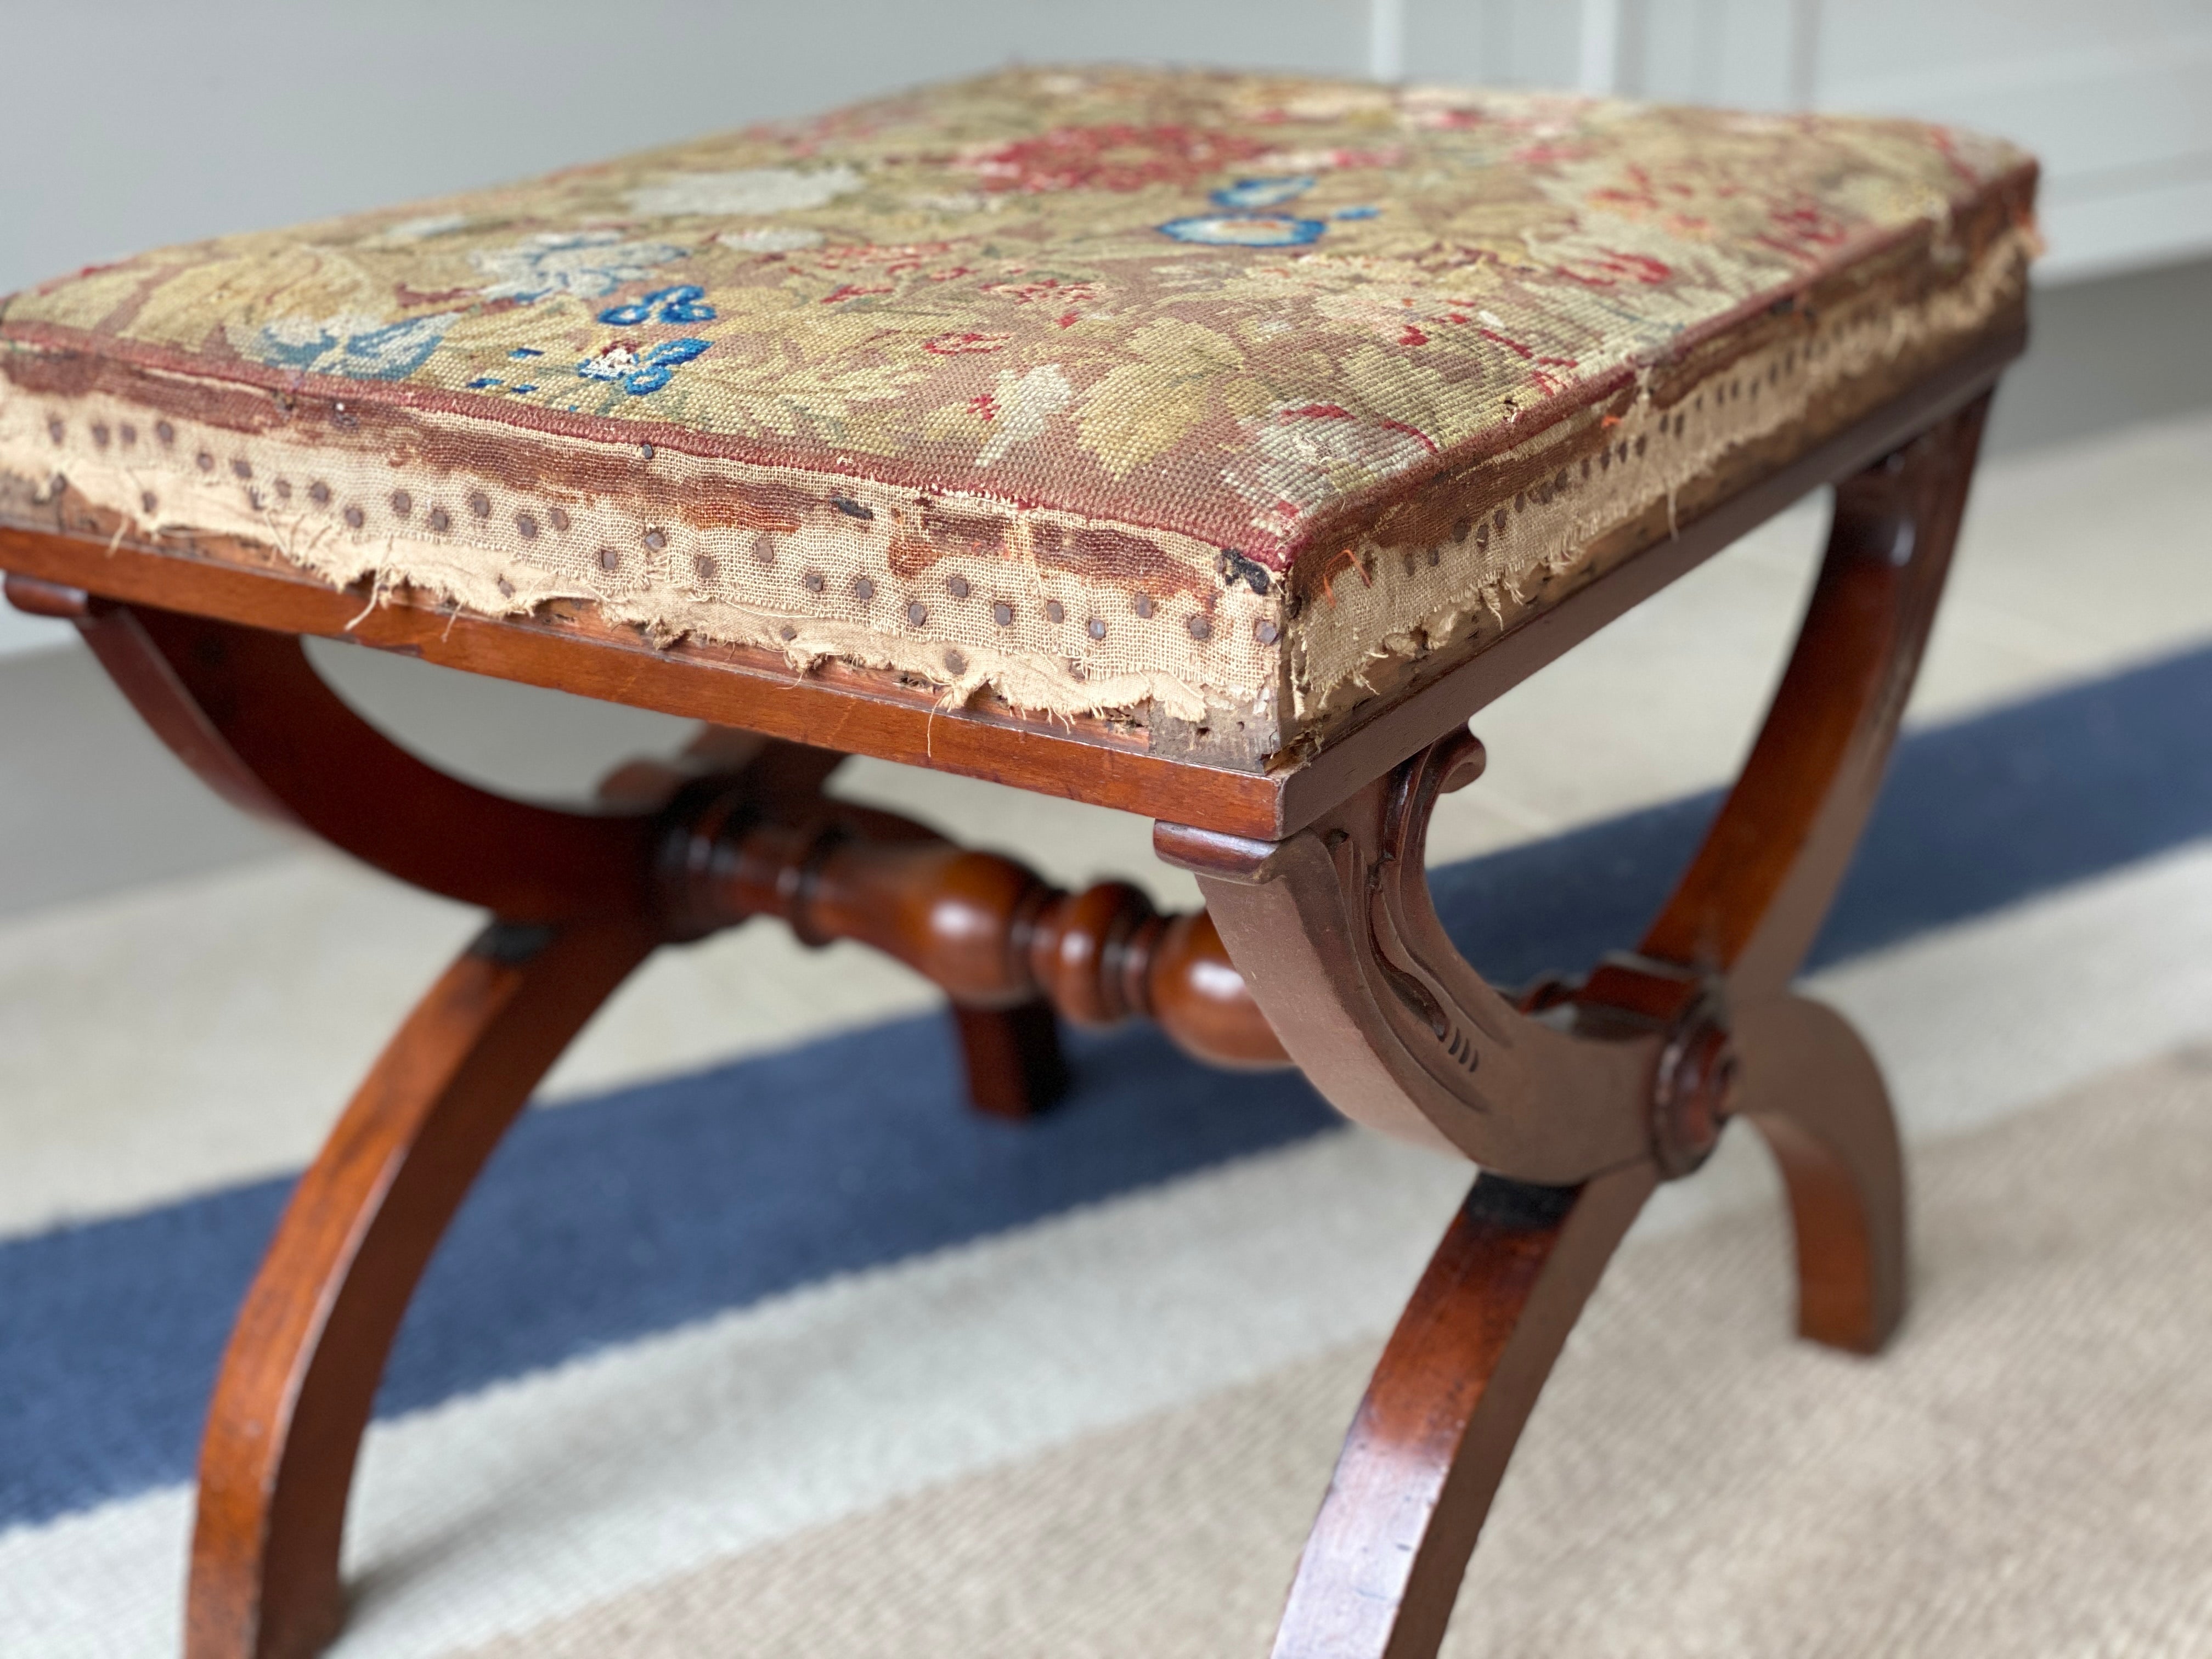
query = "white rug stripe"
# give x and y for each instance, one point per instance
(541, 1494)
(512, 1506)
(2026, 1471)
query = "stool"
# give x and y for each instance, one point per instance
(1211, 447)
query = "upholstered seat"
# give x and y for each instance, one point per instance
(1229, 399)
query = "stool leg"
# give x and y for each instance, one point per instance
(301, 1373)
(1817, 1098)
(1457, 1381)
(1014, 1065)
(1750, 904)
(1593, 1091)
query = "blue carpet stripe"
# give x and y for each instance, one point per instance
(651, 1207)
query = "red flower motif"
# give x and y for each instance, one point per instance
(1114, 157)
(1412, 432)
(1804, 229)
(955, 345)
(1051, 287)
(1610, 267)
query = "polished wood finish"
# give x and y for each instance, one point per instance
(55, 600)
(1752, 902)
(245, 711)
(1432, 1437)
(1011, 1056)
(1587, 1096)
(305, 1358)
(735, 827)
(1759, 886)
(853, 712)
(1335, 931)
(1818, 1099)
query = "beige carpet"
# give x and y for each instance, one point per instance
(2027, 1472)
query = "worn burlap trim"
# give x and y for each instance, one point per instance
(1386, 601)
(860, 574)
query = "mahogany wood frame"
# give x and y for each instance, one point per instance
(1576, 1100)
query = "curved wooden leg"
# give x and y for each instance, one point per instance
(1457, 1383)
(1817, 1097)
(246, 711)
(301, 1370)
(1629, 1076)
(1751, 902)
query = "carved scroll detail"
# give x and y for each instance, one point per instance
(1335, 929)
(1412, 798)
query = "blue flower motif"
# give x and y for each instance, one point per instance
(343, 346)
(678, 305)
(637, 372)
(1249, 193)
(1245, 230)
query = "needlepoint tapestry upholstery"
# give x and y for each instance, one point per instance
(1208, 397)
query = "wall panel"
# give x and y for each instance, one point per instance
(1493, 42)
(2116, 97)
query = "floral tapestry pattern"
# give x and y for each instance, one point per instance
(1211, 304)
